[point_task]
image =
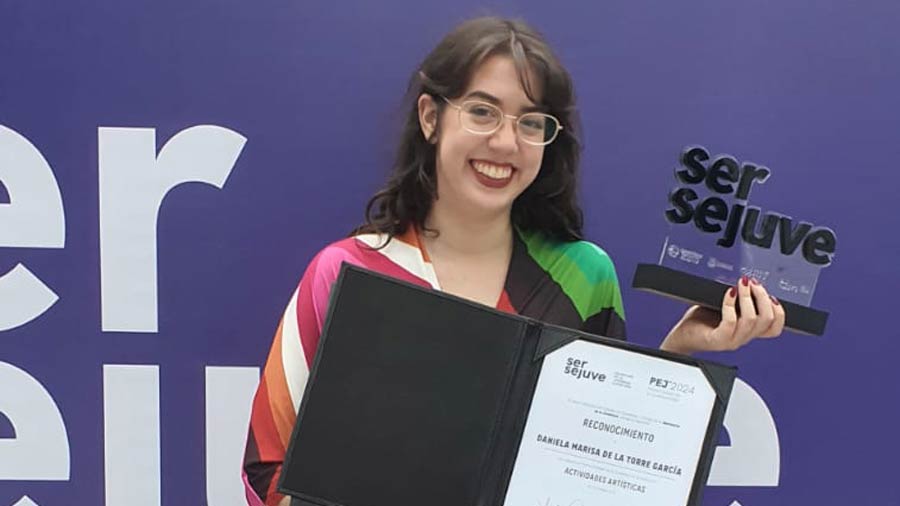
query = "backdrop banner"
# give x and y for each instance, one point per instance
(167, 170)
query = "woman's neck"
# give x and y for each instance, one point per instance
(465, 233)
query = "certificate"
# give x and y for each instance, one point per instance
(451, 403)
(611, 426)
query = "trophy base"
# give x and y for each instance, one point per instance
(709, 293)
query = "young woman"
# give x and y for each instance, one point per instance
(481, 204)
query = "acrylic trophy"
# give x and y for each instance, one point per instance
(716, 236)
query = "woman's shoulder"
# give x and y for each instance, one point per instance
(330, 257)
(586, 274)
(395, 257)
(581, 257)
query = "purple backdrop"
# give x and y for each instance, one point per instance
(807, 88)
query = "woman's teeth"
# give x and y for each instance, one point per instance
(492, 171)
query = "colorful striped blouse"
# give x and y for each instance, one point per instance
(572, 284)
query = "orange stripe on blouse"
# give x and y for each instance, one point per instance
(268, 448)
(280, 403)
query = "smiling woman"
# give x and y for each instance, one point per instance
(483, 160)
(482, 204)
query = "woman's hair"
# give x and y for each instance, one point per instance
(549, 205)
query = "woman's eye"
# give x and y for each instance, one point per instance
(482, 111)
(534, 123)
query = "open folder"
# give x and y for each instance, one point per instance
(417, 397)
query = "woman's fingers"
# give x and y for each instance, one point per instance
(703, 330)
(761, 314)
(765, 312)
(777, 325)
(729, 312)
(747, 322)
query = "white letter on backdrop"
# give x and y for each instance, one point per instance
(33, 218)
(133, 183)
(754, 457)
(40, 448)
(131, 435)
(229, 395)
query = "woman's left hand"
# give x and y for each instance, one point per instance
(703, 329)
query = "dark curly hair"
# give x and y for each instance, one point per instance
(549, 205)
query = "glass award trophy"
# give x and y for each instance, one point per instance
(716, 236)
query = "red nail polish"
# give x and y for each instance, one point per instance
(754, 281)
(745, 280)
(732, 292)
(775, 301)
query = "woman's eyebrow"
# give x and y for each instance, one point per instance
(487, 97)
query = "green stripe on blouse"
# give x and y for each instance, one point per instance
(584, 272)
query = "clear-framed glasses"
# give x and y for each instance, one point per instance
(485, 118)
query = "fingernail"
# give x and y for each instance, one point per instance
(745, 280)
(732, 292)
(755, 281)
(774, 300)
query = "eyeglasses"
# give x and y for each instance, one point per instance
(484, 118)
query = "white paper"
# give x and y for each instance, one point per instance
(611, 427)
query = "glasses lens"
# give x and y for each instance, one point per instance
(480, 116)
(537, 128)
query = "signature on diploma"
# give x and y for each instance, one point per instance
(576, 502)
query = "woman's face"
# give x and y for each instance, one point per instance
(484, 173)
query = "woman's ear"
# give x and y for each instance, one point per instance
(428, 117)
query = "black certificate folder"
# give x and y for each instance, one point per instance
(419, 397)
